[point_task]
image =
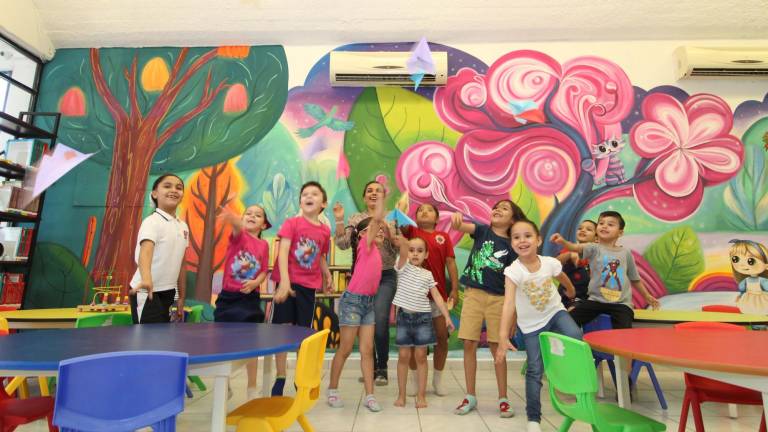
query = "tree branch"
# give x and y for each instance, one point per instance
(205, 101)
(113, 106)
(200, 213)
(131, 78)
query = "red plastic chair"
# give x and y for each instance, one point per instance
(720, 308)
(699, 389)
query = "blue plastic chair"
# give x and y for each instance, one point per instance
(121, 391)
(603, 322)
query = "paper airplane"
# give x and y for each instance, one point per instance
(416, 78)
(51, 167)
(421, 60)
(342, 168)
(400, 218)
(314, 147)
(526, 111)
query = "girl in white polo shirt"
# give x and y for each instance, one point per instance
(160, 247)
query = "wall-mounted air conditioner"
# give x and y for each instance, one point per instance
(381, 68)
(721, 62)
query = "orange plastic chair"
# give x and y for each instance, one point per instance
(699, 389)
(720, 308)
(278, 413)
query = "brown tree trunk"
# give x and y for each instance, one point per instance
(207, 242)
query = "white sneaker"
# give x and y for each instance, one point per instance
(412, 386)
(334, 399)
(437, 383)
(534, 426)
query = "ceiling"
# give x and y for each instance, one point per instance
(97, 23)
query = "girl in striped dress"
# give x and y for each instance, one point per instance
(414, 315)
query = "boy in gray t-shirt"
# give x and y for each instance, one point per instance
(613, 274)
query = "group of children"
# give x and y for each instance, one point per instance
(508, 285)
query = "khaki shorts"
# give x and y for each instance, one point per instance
(479, 305)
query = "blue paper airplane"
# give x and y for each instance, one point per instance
(400, 218)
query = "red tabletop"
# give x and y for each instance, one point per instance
(744, 352)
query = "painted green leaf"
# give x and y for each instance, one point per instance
(411, 118)
(746, 195)
(369, 148)
(677, 258)
(58, 279)
(524, 198)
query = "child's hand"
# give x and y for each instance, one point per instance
(456, 220)
(249, 286)
(652, 301)
(557, 238)
(403, 203)
(338, 212)
(328, 283)
(501, 351)
(449, 324)
(143, 285)
(283, 291)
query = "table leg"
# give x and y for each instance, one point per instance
(219, 414)
(623, 366)
(765, 403)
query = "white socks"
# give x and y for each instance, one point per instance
(437, 382)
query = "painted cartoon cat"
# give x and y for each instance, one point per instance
(605, 165)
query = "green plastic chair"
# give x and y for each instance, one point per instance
(104, 320)
(195, 315)
(570, 370)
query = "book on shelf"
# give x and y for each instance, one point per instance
(24, 152)
(25, 243)
(10, 237)
(12, 288)
(12, 200)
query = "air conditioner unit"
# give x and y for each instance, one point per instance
(382, 68)
(715, 62)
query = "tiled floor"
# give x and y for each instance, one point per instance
(438, 416)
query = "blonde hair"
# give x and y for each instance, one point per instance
(748, 248)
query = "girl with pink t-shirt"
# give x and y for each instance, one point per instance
(245, 268)
(356, 315)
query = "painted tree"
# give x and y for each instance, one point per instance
(156, 110)
(208, 190)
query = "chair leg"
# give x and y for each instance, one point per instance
(762, 423)
(656, 386)
(684, 412)
(188, 391)
(304, 423)
(697, 419)
(198, 382)
(567, 422)
(612, 369)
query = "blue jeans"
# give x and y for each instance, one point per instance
(561, 323)
(382, 304)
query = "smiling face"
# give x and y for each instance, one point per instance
(586, 232)
(254, 219)
(167, 193)
(426, 216)
(608, 229)
(417, 251)
(373, 193)
(502, 214)
(525, 239)
(748, 260)
(312, 200)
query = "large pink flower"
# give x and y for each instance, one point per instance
(690, 148)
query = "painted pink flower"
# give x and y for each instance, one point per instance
(690, 148)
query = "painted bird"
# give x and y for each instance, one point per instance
(323, 119)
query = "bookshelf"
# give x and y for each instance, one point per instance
(15, 265)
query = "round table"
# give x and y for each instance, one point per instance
(739, 358)
(45, 318)
(662, 317)
(215, 349)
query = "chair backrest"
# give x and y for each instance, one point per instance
(104, 320)
(120, 391)
(601, 322)
(720, 308)
(4, 329)
(195, 314)
(702, 325)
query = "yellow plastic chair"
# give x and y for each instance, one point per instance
(278, 413)
(20, 383)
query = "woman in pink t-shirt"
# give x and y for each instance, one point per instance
(356, 315)
(245, 268)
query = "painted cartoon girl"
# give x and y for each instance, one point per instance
(749, 261)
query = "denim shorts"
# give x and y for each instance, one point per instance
(356, 310)
(414, 329)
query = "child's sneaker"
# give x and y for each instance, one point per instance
(468, 404)
(534, 426)
(334, 399)
(277, 388)
(437, 382)
(372, 404)
(505, 409)
(381, 378)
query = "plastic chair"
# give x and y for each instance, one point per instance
(20, 383)
(121, 391)
(720, 308)
(277, 413)
(603, 322)
(104, 320)
(195, 315)
(567, 363)
(699, 389)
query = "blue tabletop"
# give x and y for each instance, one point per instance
(205, 342)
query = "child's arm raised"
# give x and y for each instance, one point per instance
(438, 299)
(377, 222)
(404, 245)
(570, 290)
(457, 223)
(232, 219)
(640, 286)
(508, 318)
(573, 247)
(284, 288)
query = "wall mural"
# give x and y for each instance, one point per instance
(565, 140)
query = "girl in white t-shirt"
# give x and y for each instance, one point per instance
(530, 293)
(160, 247)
